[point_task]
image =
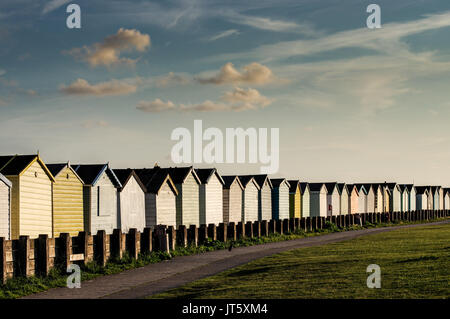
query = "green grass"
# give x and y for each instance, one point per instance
(415, 263)
(20, 286)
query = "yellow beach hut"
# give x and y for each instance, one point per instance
(294, 199)
(31, 195)
(67, 200)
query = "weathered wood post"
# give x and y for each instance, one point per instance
(308, 224)
(118, 246)
(334, 220)
(182, 236)
(86, 242)
(272, 226)
(256, 229)
(43, 256)
(3, 270)
(100, 247)
(134, 243)
(264, 228)
(161, 239)
(212, 231)
(147, 241)
(171, 231)
(202, 233)
(222, 232)
(64, 250)
(241, 230)
(286, 226)
(193, 235)
(279, 226)
(232, 233)
(249, 229)
(292, 224)
(303, 224)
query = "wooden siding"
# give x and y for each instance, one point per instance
(265, 202)
(32, 213)
(362, 202)
(166, 213)
(344, 203)
(353, 201)
(446, 201)
(412, 200)
(318, 203)
(305, 212)
(5, 209)
(395, 200)
(441, 199)
(295, 204)
(333, 202)
(187, 202)
(67, 204)
(211, 198)
(421, 201)
(370, 201)
(250, 203)
(232, 203)
(102, 199)
(379, 201)
(280, 202)
(131, 206)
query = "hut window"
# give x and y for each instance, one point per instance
(67, 176)
(35, 174)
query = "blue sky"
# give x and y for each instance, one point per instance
(352, 104)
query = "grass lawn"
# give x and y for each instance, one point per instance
(415, 263)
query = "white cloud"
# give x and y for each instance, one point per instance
(107, 53)
(172, 79)
(156, 105)
(224, 34)
(236, 100)
(53, 5)
(253, 73)
(110, 88)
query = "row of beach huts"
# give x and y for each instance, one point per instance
(38, 198)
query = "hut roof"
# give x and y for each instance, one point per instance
(16, 164)
(330, 187)
(5, 180)
(303, 187)
(315, 187)
(294, 184)
(276, 182)
(205, 174)
(154, 178)
(56, 169)
(124, 176)
(229, 180)
(90, 173)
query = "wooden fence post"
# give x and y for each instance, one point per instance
(222, 232)
(264, 228)
(257, 229)
(279, 226)
(147, 241)
(172, 237)
(182, 236)
(203, 233)
(240, 230)
(232, 235)
(249, 229)
(100, 248)
(272, 226)
(193, 235)
(161, 238)
(133, 243)
(43, 255)
(2, 260)
(212, 231)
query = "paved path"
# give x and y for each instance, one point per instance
(159, 277)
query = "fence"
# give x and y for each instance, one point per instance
(28, 257)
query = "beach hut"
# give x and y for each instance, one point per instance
(160, 196)
(446, 198)
(378, 197)
(5, 207)
(130, 201)
(343, 193)
(435, 197)
(422, 194)
(68, 214)
(31, 195)
(249, 199)
(353, 199)
(411, 197)
(232, 199)
(362, 198)
(264, 197)
(318, 199)
(395, 197)
(99, 197)
(441, 197)
(294, 199)
(333, 199)
(404, 197)
(280, 198)
(211, 196)
(188, 199)
(370, 198)
(305, 200)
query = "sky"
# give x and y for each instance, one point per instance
(352, 104)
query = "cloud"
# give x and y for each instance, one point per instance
(253, 73)
(224, 34)
(248, 99)
(107, 53)
(155, 106)
(269, 24)
(113, 87)
(171, 79)
(53, 5)
(237, 100)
